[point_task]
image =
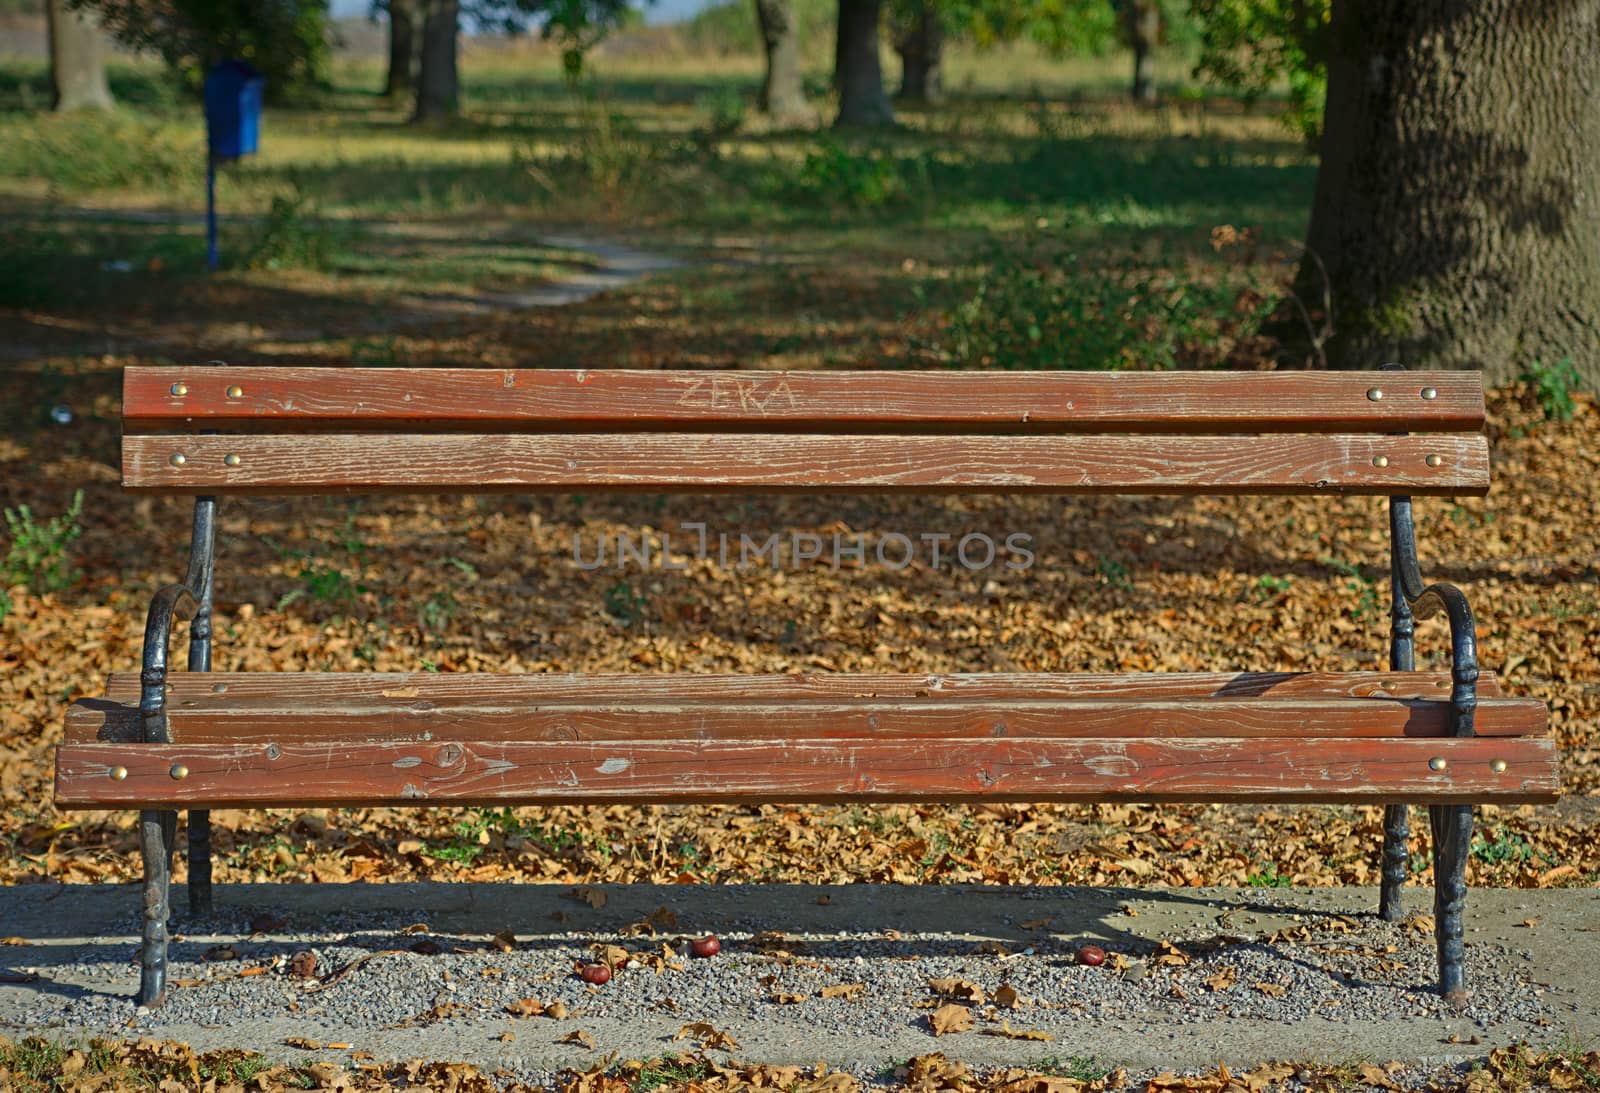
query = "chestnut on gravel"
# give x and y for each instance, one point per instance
(598, 974)
(1092, 955)
(705, 946)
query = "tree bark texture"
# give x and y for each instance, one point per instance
(782, 93)
(77, 60)
(920, 43)
(862, 101)
(1457, 207)
(1142, 25)
(438, 85)
(403, 45)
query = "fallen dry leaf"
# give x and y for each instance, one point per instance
(585, 893)
(848, 991)
(950, 1018)
(707, 1035)
(1170, 955)
(578, 1036)
(1010, 1033)
(958, 990)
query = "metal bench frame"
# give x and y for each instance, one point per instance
(191, 600)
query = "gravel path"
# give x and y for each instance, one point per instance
(1205, 975)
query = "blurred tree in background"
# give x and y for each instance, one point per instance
(286, 40)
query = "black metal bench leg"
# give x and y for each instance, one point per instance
(199, 861)
(1452, 840)
(158, 832)
(1396, 832)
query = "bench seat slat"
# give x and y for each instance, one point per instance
(1351, 771)
(619, 399)
(610, 688)
(709, 463)
(224, 719)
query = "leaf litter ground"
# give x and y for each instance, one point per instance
(1119, 584)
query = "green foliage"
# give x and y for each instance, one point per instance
(1256, 46)
(1113, 574)
(1082, 1068)
(291, 237)
(37, 557)
(834, 175)
(1268, 586)
(87, 151)
(1500, 846)
(1269, 877)
(625, 604)
(1031, 314)
(285, 40)
(1552, 385)
(1367, 607)
(1059, 26)
(731, 26)
(603, 149)
(724, 112)
(671, 1070)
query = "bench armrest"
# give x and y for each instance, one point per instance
(1426, 601)
(189, 599)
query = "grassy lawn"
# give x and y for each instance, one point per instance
(1032, 221)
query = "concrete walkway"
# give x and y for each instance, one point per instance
(1554, 936)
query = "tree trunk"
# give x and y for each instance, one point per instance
(782, 94)
(77, 60)
(920, 43)
(859, 74)
(403, 43)
(1457, 207)
(1142, 24)
(438, 87)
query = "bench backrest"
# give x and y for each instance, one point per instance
(268, 430)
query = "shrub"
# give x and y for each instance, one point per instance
(834, 175)
(37, 556)
(1032, 315)
(291, 237)
(91, 151)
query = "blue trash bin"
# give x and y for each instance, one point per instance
(233, 109)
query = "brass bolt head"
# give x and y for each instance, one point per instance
(1498, 766)
(1380, 461)
(179, 772)
(177, 459)
(118, 773)
(180, 389)
(231, 459)
(1374, 394)
(1430, 393)
(1434, 460)
(1437, 763)
(236, 391)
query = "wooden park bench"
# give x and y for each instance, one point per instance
(165, 741)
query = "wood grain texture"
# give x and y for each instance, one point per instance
(221, 719)
(879, 401)
(791, 770)
(300, 710)
(711, 463)
(613, 688)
